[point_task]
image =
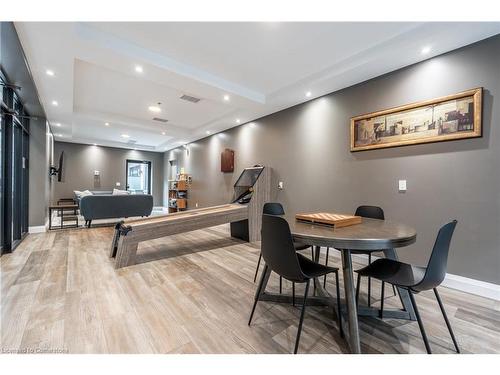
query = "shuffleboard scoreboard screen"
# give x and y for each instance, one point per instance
(249, 177)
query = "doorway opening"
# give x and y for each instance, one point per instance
(138, 180)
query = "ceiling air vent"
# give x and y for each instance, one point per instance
(160, 119)
(191, 99)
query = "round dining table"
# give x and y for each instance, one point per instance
(370, 235)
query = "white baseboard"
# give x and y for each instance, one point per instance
(463, 284)
(160, 208)
(37, 229)
(472, 286)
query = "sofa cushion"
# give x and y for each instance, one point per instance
(81, 194)
(120, 192)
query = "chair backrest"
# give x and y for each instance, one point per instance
(278, 250)
(273, 208)
(371, 212)
(436, 268)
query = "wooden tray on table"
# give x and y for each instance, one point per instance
(329, 219)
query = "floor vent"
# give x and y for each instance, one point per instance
(191, 99)
(160, 119)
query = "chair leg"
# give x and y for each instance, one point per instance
(302, 313)
(420, 324)
(257, 269)
(382, 297)
(339, 307)
(293, 293)
(358, 282)
(369, 282)
(259, 291)
(281, 284)
(441, 306)
(394, 290)
(326, 264)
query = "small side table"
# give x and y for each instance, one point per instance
(67, 201)
(61, 208)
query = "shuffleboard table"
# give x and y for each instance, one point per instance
(251, 191)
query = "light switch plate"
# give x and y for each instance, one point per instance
(118, 184)
(402, 185)
(280, 185)
(96, 173)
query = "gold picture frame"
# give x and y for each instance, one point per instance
(446, 118)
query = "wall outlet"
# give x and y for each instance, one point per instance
(402, 186)
(118, 184)
(280, 185)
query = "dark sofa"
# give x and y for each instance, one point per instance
(108, 206)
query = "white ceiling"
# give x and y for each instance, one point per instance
(262, 67)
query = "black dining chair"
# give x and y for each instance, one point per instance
(417, 279)
(280, 256)
(371, 212)
(274, 208)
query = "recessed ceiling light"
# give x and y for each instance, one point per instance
(55, 103)
(106, 124)
(50, 73)
(226, 98)
(426, 50)
(58, 124)
(163, 133)
(238, 120)
(208, 132)
(139, 69)
(308, 94)
(125, 136)
(154, 108)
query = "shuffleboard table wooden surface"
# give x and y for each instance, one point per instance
(129, 233)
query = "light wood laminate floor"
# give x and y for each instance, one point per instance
(193, 293)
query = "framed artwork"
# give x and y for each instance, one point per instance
(447, 118)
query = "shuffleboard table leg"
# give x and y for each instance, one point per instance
(126, 252)
(114, 243)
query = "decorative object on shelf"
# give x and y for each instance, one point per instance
(227, 161)
(447, 118)
(178, 192)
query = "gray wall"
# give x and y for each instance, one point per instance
(39, 162)
(14, 64)
(80, 161)
(308, 148)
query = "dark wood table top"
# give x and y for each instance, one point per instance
(371, 234)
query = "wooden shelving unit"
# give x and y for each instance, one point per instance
(178, 193)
